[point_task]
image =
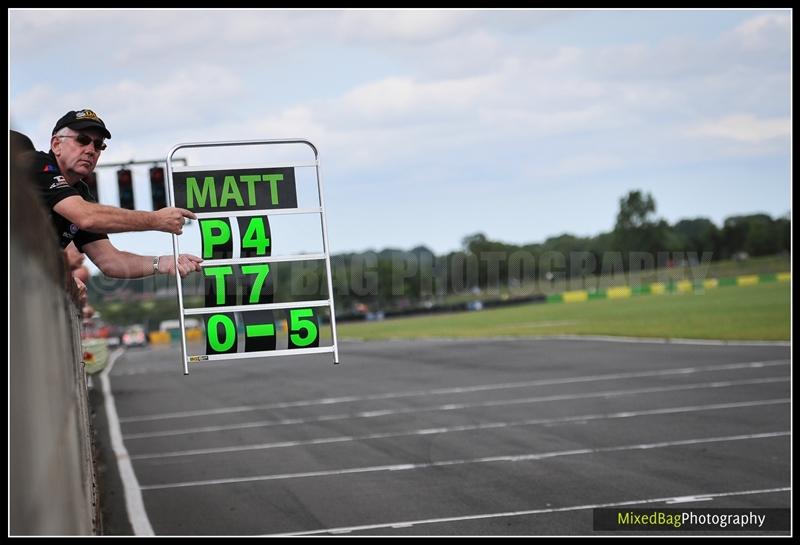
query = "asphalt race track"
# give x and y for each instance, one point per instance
(444, 437)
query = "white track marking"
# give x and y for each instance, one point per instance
(454, 390)
(488, 459)
(473, 427)
(450, 407)
(133, 493)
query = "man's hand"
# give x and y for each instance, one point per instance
(171, 220)
(186, 263)
(83, 296)
(73, 256)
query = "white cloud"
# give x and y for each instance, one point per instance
(405, 26)
(189, 96)
(588, 163)
(408, 101)
(763, 32)
(156, 41)
(414, 27)
(543, 123)
(742, 128)
(757, 45)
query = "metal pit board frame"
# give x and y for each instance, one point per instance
(334, 348)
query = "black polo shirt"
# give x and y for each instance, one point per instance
(53, 188)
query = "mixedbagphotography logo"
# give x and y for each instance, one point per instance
(694, 520)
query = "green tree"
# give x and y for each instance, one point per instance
(756, 234)
(636, 229)
(697, 235)
(635, 210)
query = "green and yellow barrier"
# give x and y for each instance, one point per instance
(621, 292)
(747, 280)
(577, 296)
(660, 288)
(711, 283)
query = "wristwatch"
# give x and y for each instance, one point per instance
(156, 259)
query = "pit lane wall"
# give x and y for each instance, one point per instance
(52, 486)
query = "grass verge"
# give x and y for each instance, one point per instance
(759, 312)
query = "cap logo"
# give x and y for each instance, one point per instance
(86, 114)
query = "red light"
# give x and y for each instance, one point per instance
(125, 184)
(157, 188)
(156, 174)
(124, 176)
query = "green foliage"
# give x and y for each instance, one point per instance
(756, 234)
(696, 235)
(636, 230)
(634, 211)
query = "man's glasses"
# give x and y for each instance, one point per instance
(85, 140)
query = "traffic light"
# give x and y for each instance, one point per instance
(91, 181)
(157, 188)
(125, 183)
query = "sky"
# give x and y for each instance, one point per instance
(435, 125)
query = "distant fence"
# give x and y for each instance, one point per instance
(52, 486)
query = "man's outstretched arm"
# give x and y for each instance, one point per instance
(118, 264)
(99, 218)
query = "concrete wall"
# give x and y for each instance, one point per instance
(52, 488)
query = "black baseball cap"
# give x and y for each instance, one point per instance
(81, 119)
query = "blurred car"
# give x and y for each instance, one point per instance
(134, 336)
(113, 335)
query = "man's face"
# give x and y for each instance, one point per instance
(76, 159)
